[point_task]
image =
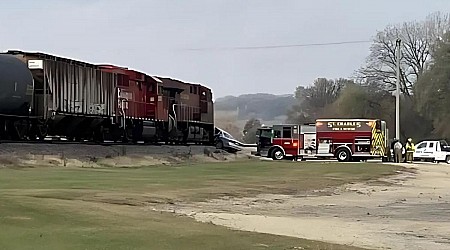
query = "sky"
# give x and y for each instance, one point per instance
(191, 40)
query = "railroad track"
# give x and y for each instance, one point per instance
(72, 143)
(106, 143)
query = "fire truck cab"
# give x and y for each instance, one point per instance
(344, 139)
(278, 141)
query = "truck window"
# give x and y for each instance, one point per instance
(431, 145)
(421, 145)
(266, 134)
(287, 132)
(276, 134)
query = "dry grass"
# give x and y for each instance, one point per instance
(75, 208)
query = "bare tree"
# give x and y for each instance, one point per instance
(322, 93)
(419, 40)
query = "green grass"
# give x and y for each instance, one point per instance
(75, 208)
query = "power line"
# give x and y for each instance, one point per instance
(282, 46)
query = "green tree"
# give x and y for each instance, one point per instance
(355, 101)
(412, 123)
(372, 102)
(364, 101)
(433, 91)
(250, 128)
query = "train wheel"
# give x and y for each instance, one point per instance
(99, 135)
(42, 131)
(20, 128)
(116, 134)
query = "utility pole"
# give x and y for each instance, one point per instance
(397, 92)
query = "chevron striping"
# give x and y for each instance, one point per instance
(378, 147)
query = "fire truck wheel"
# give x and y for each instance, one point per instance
(343, 154)
(277, 154)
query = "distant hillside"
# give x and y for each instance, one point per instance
(266, 107)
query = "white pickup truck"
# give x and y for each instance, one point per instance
(438, 151)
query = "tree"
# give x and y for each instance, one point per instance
(433, 91)
(419, 40)
(312, 101)
(358, 101)
(250, 128)
(372, 102)
(412, 123)
(364, 101)
(296, 114)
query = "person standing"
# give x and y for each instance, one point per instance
(409, 150)
(397, 151)
(390, 150)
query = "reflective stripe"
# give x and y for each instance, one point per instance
(378, 142)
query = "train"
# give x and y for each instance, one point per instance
(43, 95)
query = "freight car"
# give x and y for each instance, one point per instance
(81, 101)
(16, 82)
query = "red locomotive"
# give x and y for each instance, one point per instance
(45, 95)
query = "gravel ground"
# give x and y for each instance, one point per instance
(23, 154)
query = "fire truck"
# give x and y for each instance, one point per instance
(344, 139)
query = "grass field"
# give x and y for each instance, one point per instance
(80, 208)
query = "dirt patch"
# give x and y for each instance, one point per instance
(408, 211)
